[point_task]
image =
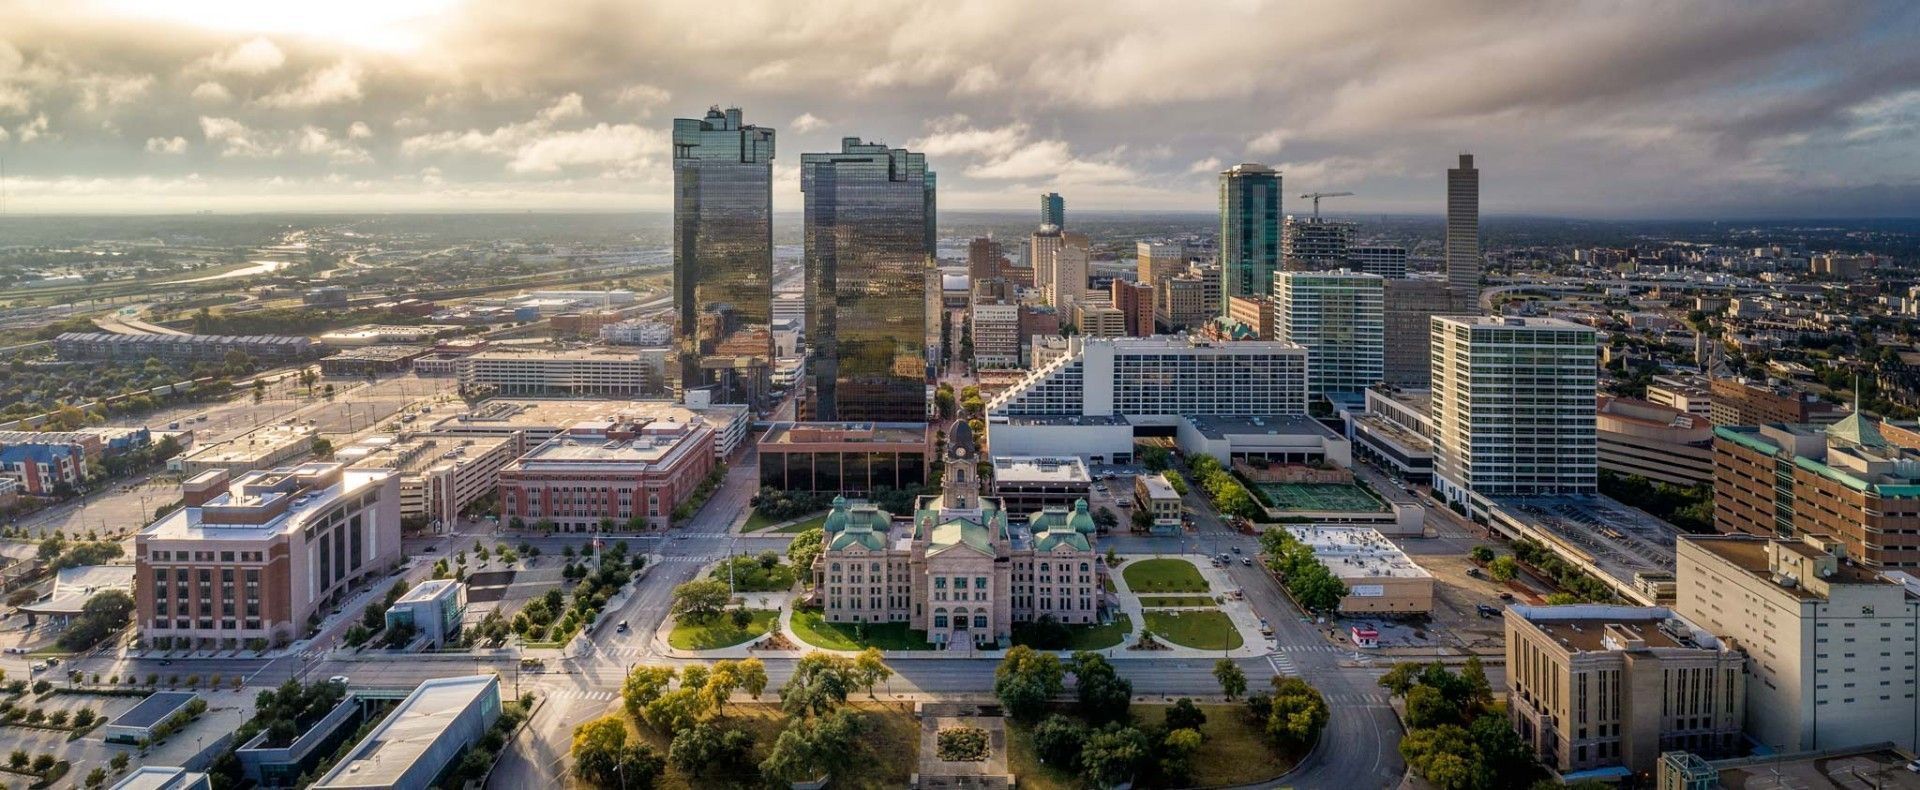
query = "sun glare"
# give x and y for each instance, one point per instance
(371, 24)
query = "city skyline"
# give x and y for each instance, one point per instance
(1721, 110)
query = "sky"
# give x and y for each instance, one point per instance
(1703, 109)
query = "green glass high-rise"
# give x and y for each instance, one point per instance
(723, 254)
(870, 237)
(1053, 210)
(1249, 231)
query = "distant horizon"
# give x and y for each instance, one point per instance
(1009, 213)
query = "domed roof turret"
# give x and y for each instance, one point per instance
(837, 517)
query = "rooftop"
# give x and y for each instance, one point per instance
(154, 709)
(1620, 540)
(427, 591)
(1158, 487)
(845, 432)
(1034, 469)
(267, 502)
(586, 354)
(1749, 553)
(1358, 553)
(160, 777)
(1218, 427)
(407, 733)
(1590, 628)
(603, 443)
(537, 415)
(252, 444)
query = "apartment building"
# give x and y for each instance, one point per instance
(1513, 408)
(255, 557)
(1830, 644)
(1338, 318)
(1135, 303)
(1845, 482)
(614, 471)
(1099, 320)
(1600, 690)
(203, 348)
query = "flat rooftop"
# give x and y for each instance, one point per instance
(251, 445)
(570, 448)
(1749, 553)
(1158, 487)
(845, 432)
(1392, 431)
(159, 777)
(1320, 498)
(587, 354)
(154, 709)
(1620, 540)
(427, 591)
(1220, 427)
(418, 452)
(1032, 469)
(1082, 420)
(406, 734)
(191, 523)
(1358, 553)
(1584, 628)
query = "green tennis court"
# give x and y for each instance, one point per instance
(1325, 497)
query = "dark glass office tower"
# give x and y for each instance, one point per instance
(869, 240)
(1249, 231)
(1053, 210)
(723, 254)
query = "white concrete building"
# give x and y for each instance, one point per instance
(1512, 408)
(587, 371)
(1385, 260)
(1339, 318)
(1161, 377)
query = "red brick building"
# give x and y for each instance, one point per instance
(609, 470)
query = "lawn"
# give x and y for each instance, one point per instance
(1201, 630)
(1164, 576)
(750, 575)
(1081, 637)
(756, 522)
(886, 757)
(802, 525)
(1165, 601)
(1233, 752)
(721, 632)
(812, 627)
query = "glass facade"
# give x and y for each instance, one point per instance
(869, 243)
(723, 254)
(1249, 231)
(853, 473)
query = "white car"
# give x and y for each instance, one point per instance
(338, 680)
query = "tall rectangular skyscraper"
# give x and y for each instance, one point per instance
(1463, 231)
(1512, 408)
(723, 254)
(869, 231)
(1249, 231)
(1339, 317)
(1053, 210)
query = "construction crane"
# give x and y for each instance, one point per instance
(1316, 196)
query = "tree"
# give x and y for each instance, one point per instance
(1445, 753)
(102, 615)
(321, 446)
(1233, 680)
(1427, 707)
(811, 748)
(674, 711)
(603, 758)
(1184, 715)
(701, 600)
(642, 686)
(1114, 755)
(753, 676)
(1026, 680)
(1479, 692)
(1104, 695)
(699, 748)
(1482, 554)
(1502, 754)
(820, 683)
(1297, 712)
(1503, 569)
(1058, 740)
(1176, 755)
(871, 668)
(805, 547)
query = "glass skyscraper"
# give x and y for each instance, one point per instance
(723, 254)
(869, 240)
(1249, 231)
(1053, 210)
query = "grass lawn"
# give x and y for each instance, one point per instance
(1082, 637)
(750, 576)
(756, 522)
(886, 755)
(1202, 630)
(802, 525)
(1162, 601)
(721, 632)
(1234, 751)
(812, 627)
(1164, 576)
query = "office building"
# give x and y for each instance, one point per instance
(1641, 438)
(249, 559)
(1099, 320)
(272, 349)
(622, 372)
(1409, 306)
(869, 231)
(963, 570)
(1512, 408)
(1315, 244)
(1691, 394)
(1830, 645)
(1384, 260)
(1188, 300)
(621, 471)
(1338, 317)
(439, 475)
(1168, 376)
(637, 332)
(1042, 246)
(1053, 210)
(1249, 230)
(1154, 496)
(531, 422)
(855, 459)
(1395, 432)
(140, 722)
(986, 259)
(996, 334)
(722, 250)
(1844, 482)
(1067, 275)
(1247, 318)
(1600, 691)
(1380, 578)
(1135, 303)
(1159, 260)
(433, 609)
(1740, 401)
(1029, 484)
(1462, 244)
(417, 742)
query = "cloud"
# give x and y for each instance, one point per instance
(359, 130)
(568, 107)
(807, 122)
(315, 141)
(32, 130)
(336, 84)
(103, 92)
(952, 137)
(211, 92)
(1269, 143)
(167, 145)
(252, 58)
(977, 81)
(236, 139)
(1007, 153)
(646, 97)
(620, 147)
(1207, 166)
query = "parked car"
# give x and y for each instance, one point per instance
(1247, 561)
(1474, 572)
(340, 680)
(1487, 610)
(1506, 596)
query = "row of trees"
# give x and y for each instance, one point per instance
(1228, 495)
(1306, 578)
(1455, 738)
(1571, 580)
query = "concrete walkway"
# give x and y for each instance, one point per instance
(1218, 582)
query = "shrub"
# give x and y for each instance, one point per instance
(962, 744)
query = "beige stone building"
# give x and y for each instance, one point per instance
(1600, 691)
(1830, 644)
(960, 570)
